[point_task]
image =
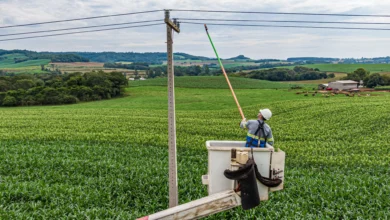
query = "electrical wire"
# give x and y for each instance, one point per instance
(291, 26)
(67, 29)
(79, 19)
(107, 29)
(279, 13)
(283, 21)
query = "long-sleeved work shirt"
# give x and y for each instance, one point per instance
(252, 139)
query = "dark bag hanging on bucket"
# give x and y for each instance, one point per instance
(267, 181)
(264, 180)
(246, 178)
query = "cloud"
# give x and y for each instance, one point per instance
(255, 42)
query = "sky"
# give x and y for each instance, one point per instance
(230, 41)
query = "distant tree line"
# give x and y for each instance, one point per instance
(132, 66)
(54, 57)
(367, 60)
(370, 80)
(218, 71)
(161, 71)
(205, 69)
(312, 59)
(282, 74)
(266, 60)
(151, 58)
(275, 74)
(54, 89)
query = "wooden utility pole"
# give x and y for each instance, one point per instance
(173, 192)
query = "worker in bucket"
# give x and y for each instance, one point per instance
(258, 130)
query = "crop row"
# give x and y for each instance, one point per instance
(109, 159)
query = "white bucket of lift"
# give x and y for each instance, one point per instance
(219, 159)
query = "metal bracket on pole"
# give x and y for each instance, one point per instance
(173, 191)
(172, 24)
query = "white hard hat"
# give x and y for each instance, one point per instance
(266, 113)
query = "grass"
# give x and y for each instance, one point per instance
(235, 64)
(335, 68)
(347, 68)
(382, 88)
(109, 159)
(218, 82)
(9, 62)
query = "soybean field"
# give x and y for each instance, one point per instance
(109, 159)
(219, 82)
(347, 68)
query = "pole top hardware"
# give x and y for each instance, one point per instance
(174, 25)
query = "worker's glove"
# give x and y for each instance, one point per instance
(243, 122)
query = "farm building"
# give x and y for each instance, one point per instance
(343, 85)
(322, 86)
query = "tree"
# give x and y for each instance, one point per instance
(51, 96)
(206, 70)
(24, 84)
(386, 79)
(5, 85)
(9, 101)
(136, 75)
(361, 73)
(374, 80)
(158, 72)
(150, 73)
(75, 81)
(331, 75)
(357, 75)
(69, 99)
(50, 88)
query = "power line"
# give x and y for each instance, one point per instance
(291, 26)
(107, 29)
(78, 19)
(67, 29)
(283, 21)
(280, 13)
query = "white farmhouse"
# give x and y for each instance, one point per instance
(343, 85)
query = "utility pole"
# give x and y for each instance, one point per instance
(173, 192)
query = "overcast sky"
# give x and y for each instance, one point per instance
(254, 42)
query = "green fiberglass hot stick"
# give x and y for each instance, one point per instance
(224, 73)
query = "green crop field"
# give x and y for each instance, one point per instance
(219, 82)
(235, 64)
(9, 62)
(347, 68)
(109, 159)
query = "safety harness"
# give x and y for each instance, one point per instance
(251, 141)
